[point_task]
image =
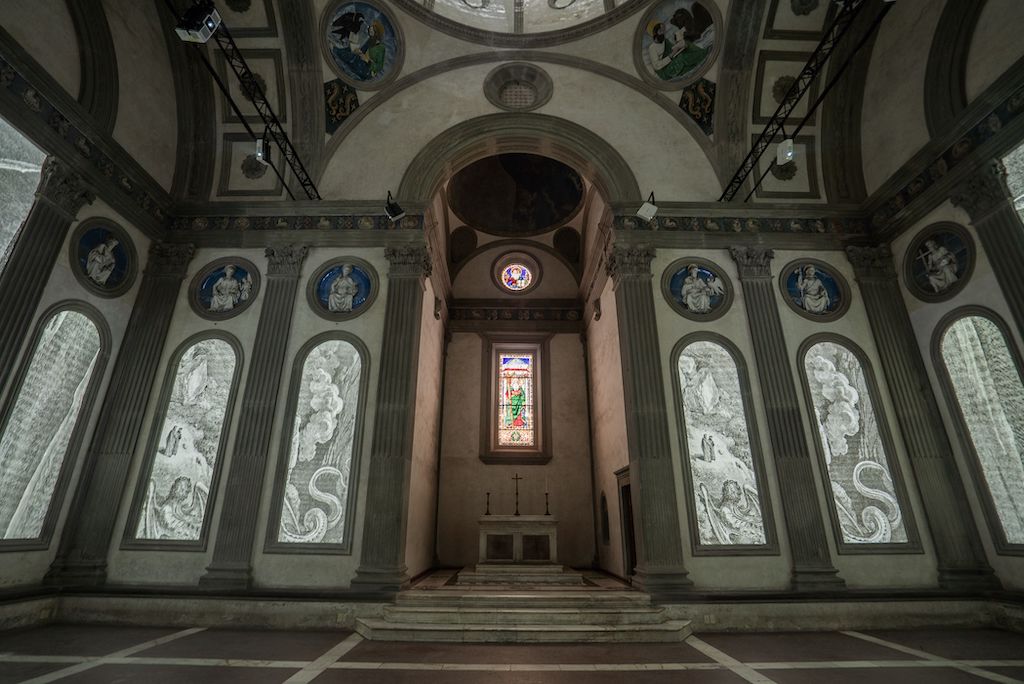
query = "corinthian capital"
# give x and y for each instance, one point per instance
(871, 263)
(168, 259)
(62, 188)
(408, 261)
(629, 262)
(285, 260)
(983, 190)
(753, 262)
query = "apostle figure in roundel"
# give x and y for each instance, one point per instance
(227, 291)
(101, 261)
(939, 266)
(697, 293)
(343, 291)
(814, 297)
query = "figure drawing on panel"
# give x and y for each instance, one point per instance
(866, 505)
(101, 261)
(940, 265)
(178, 515)
(343, 290)
(724, 481)
(320, 454)
(229, 291)
(814, 297)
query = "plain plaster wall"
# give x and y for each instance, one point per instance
(982, 290)
(465, 478)
(995, 46)
(893, 125)
(28, 567)
(422, 523)
(768, 571)
(147, 115)
(608, 424)
(861, 569)
(46, 32)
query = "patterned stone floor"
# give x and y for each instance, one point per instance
(67, 653)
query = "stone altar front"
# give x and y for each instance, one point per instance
(518, 539)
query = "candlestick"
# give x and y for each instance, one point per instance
(516, 478)
(546, 510)
(488, 511)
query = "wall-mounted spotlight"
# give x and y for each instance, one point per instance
(391, 208)
(785, 152)
(199, 22)
(648, 209)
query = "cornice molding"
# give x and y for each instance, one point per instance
(325, 222)
(712, 221)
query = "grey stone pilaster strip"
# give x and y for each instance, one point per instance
(232, 555)
(82, 558)
(382, 560)
(98, 93)
(812, 561)
(960, 555)
(985, 197)
(945, 95)
(60, 195)
(660, 569)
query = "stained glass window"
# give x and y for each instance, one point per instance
(516, 277)
(516, 400)
(988, 388)
(866, 506)
(318, 476)
(38, 430)
(177, 489)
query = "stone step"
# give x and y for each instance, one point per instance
(549, 616)
(382, 630)
(498, 600)
(525, 579)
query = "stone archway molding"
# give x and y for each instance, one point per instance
(550, 136)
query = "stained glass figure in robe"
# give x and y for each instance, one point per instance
(515, 400)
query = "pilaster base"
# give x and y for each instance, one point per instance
(666, 584)
(227, 577)
(817, 579)
(969, 579)
(386, 580)
(76, 574)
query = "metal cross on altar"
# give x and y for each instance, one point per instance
(516, 478)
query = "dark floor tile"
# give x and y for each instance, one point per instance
(960, 644)
(883, 675)
(420, 652)
(1012, 672)
(248, 645)
(17, 672)
(482, 677)
(799, 647)
(174, 674)
(80, 640)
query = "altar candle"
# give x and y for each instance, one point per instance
(545, 484)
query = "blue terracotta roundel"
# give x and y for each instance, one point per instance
(103, 258)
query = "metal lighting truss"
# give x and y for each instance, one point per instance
(815, 64)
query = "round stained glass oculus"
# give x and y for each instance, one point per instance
(516, 277)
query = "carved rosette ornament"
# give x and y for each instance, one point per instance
(753, 262)
(285, 260)
(630, 262)
(62, 188)
(872, 263)
(983, 191)
(169, 260)
(409, 261)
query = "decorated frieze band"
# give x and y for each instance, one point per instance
(990, 126)
(244, 223)
(103, 257)
(342, 288)
(224, 288)
(496, 311)
(748, 224)
(37, 105)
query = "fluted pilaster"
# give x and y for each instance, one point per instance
(61, 194)
(382, 561)
(988, 201)
(812, 561)
(82, 558)
(960, 555)
(660, 569)
(231, 567)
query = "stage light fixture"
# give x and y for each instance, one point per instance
(199, 22)
(785, 152)
(391, 208)
(648, 209)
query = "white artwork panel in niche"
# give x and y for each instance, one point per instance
(725, 486)
(36, 436)
(320, 453)
(863, 492)
(991, 396)
(188, 444)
